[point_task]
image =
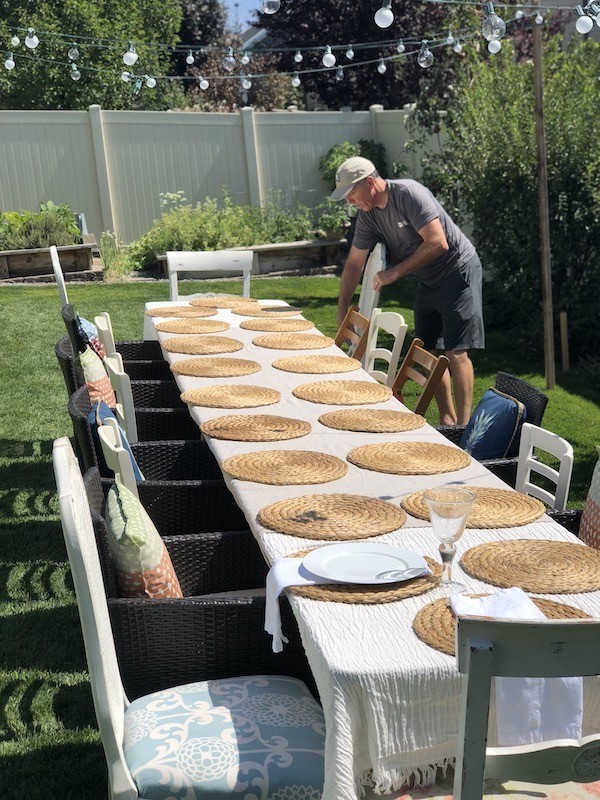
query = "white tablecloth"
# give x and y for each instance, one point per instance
(390, 701)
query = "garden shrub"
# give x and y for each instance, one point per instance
(53, 224)
(331, 161)
(488, 173)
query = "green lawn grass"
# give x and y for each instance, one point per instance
(49, 747)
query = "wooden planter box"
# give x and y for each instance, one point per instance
(19, 264)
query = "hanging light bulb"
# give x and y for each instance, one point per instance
(9, 64)
(519, 13)
(130, 56)
(384, 16)
(494, 46)
(400, 47)
(150, 82)
(228, 62)
(246, 83)
(349, 53)
(449, 39)
(15, 41)
(203, 83)
(73, 52)
(298, 57)
(539, 19)
(296, 80)
(594, 9)
(457, 47)
(339, 75)
(245, 59)
(584, 23)
(75, 74)
(381, 67)
(493, 27)
(270, 6)
(424, 56)
(328, 59)
(189, 59)
(31, 40)
(126, 77)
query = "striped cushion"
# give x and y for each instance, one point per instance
(589, 529)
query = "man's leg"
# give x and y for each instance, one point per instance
(461, 369)
(443, 398)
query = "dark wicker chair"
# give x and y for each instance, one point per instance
(534, 401)
(569, 519)
(163, 643)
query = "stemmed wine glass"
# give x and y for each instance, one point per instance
(448, 510)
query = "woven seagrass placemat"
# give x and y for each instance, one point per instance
(372, 420)
(339, 393)
(255, 428)
(536, 565)
(435, 624)
(270, 325)
(285, 467)
(316, 365)
(202, 345)
(332, 517)
(269, 312)
(192, 326)
(368, 594)
(181, 311)
(222, 301)
(207, 367)
(231, 396)
(293, 341)
(409, 458)
(493, 508)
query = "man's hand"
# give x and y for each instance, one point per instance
(384, 278)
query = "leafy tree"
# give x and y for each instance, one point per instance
(489, 162)
(41, 77)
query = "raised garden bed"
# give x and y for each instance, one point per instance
(77, 261)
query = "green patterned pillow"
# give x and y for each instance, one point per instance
(96, 378)
(143, 564)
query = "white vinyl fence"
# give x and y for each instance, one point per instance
(112, 165)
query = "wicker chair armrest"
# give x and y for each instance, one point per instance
(186, 459)
(140, 350)
(156, 394)
(160, 424)
(139, 370)
(569, 519)
(452, 432)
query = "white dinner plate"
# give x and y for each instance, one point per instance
(361, 562)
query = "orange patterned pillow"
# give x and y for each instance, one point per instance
(96, 378)
(589, 529)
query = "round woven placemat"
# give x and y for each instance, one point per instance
(192, 326)
(332, 517)
(369, 594)
(372, 420)
(285, 467)
(271, 325)
(435, 624)
(215, 367)
(202, 345)
(409, 458)
(231, 396)
(536, 565)
(255, 428)
(273, 312)
(222, 301)
(339, 393)
(493, 508)
(293, 341)
(181, 311)
(316, 365)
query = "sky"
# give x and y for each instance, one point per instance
(244, 10)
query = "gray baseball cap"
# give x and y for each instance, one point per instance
(350, 172)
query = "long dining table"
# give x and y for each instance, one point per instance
(391, 702)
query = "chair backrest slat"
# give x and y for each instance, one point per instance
(435, 366)
(354, 330)
(533, 437)
(121, 384)
(393, 324)
(105, 332)
(208, 261)
(58, 276)
(369, 296)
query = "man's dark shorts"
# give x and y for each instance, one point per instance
(449, 316)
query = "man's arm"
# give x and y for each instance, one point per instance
(434, 244)
(350, 277)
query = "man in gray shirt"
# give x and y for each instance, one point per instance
(423, 241)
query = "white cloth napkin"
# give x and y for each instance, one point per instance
(528, 710)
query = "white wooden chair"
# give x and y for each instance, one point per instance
(208, 261)
(533, 437)
(121, 383)
(394, 324)
(115, 455)
(507, 648)
(59, 277)
(369, 297)
(105, 332)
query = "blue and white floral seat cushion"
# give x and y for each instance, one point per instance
(261, 737)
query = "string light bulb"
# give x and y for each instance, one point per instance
(381, 67)
(15, 41)
(350, 53)
(245, 59)
(126, 77)
(9, 64)
(594, 9)
(228, 62)
(150, 82)
(270, 6)
(31, 40)
(424, 56)
(75, 74)
(494, 46)
(130, 56)
(246, 83)
(384, 16)
(519, 13)
(493, 27)
(189, 59)
(449, 39)
(298, 57)
(539, 19)
(339, 75)
(400, 47)
(328, 59)
(296, 80)
(73, 52)
(203, 83)
(458, 48)
(584, 23)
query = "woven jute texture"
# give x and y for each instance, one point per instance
(536, 565)
(293, 341)
(372, 420)
(231, 396)
(332, 517)
(493, 508)
(435, 624)
(340, 393)
(181, 311)
(369, 594)
(202, 345)
(223, 301)
(409, 458)
(192, 326)
(285, 467)
(269, 312)
(270, 325)
(316, 365)
(207, 367)
(255, 428)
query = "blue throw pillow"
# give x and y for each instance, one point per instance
(98, 415)
(493, 430)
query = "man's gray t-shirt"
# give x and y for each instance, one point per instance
(411, 206)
